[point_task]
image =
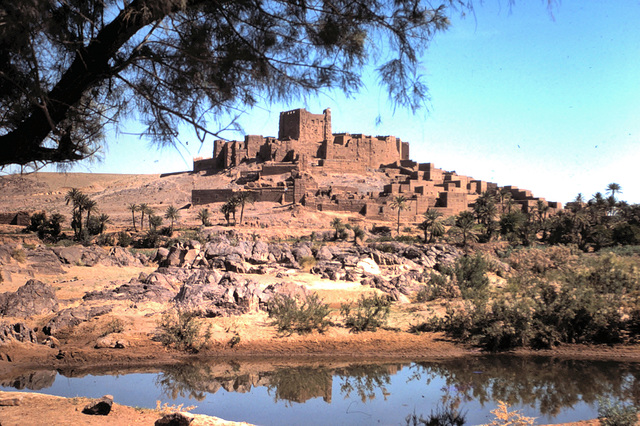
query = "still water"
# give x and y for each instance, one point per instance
(342, 393)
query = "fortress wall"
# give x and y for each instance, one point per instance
(203, 164)
(300, 124)
(208, 196)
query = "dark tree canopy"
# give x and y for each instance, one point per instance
(68, 68)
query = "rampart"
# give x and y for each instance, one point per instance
(306, 147)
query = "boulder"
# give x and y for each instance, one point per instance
(175, 419)
(300, 251)
(368, 266)
(260, 253)
(71, 317)
(324, 253)
(44, 261)
(99, 407)
(33, 298)
(69, 255)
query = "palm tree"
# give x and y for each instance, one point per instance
(225, 209)
(399, 203)
(203, 216)
(155, 222)
(242, 198)
(143, 208)
(134, 208)
(90, 206)
(103, 219)
(485, 211)
(337, 224)
(431, 225)
(172, 214)
(465, 223)
(613, 189)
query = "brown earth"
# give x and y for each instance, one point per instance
(257, 338)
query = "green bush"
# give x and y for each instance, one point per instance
(470, 275)
(438, 286)
(547, 317)
(124, 239)
(290, 315)
(181, 329)
(368, 314)
(307, 262)
(47, 228)
(616, 413)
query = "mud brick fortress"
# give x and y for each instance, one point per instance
(306, 153)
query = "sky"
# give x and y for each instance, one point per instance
(543, 100)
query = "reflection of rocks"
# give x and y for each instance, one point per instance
(36, 380)
(33, 298)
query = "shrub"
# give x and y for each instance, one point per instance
(368, 314)
(504, 417)
(93, 225)
(46, 228)
(438, 286)
(290, 315)
(616, 413)
(105, 240)
(19, 255)
(307, 262)
(470, 273)
(181, 329)
(124, 239)
(116, 325)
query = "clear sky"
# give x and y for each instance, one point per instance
(518, 97)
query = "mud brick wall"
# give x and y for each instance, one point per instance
(277, 169)
(207, 196)
(202, 164)
(20, 218)
(301, 125)
(369, 151)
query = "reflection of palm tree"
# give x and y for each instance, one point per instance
(399, 203)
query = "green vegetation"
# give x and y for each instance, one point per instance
(399, 203)
(616, 413)
(368, 314)
(552, 297)
(290, 315)
(182, 330)
(47, 228)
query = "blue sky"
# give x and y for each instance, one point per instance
(518, 97)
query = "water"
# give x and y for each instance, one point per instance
(337, 393)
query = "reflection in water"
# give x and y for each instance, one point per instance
(548, 384)
(35, 380)
(365, 393)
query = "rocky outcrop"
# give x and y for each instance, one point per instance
(18, 332)
(71, 317)
(33, 298)
(231, 295)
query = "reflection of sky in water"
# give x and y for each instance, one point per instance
(406, 392)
